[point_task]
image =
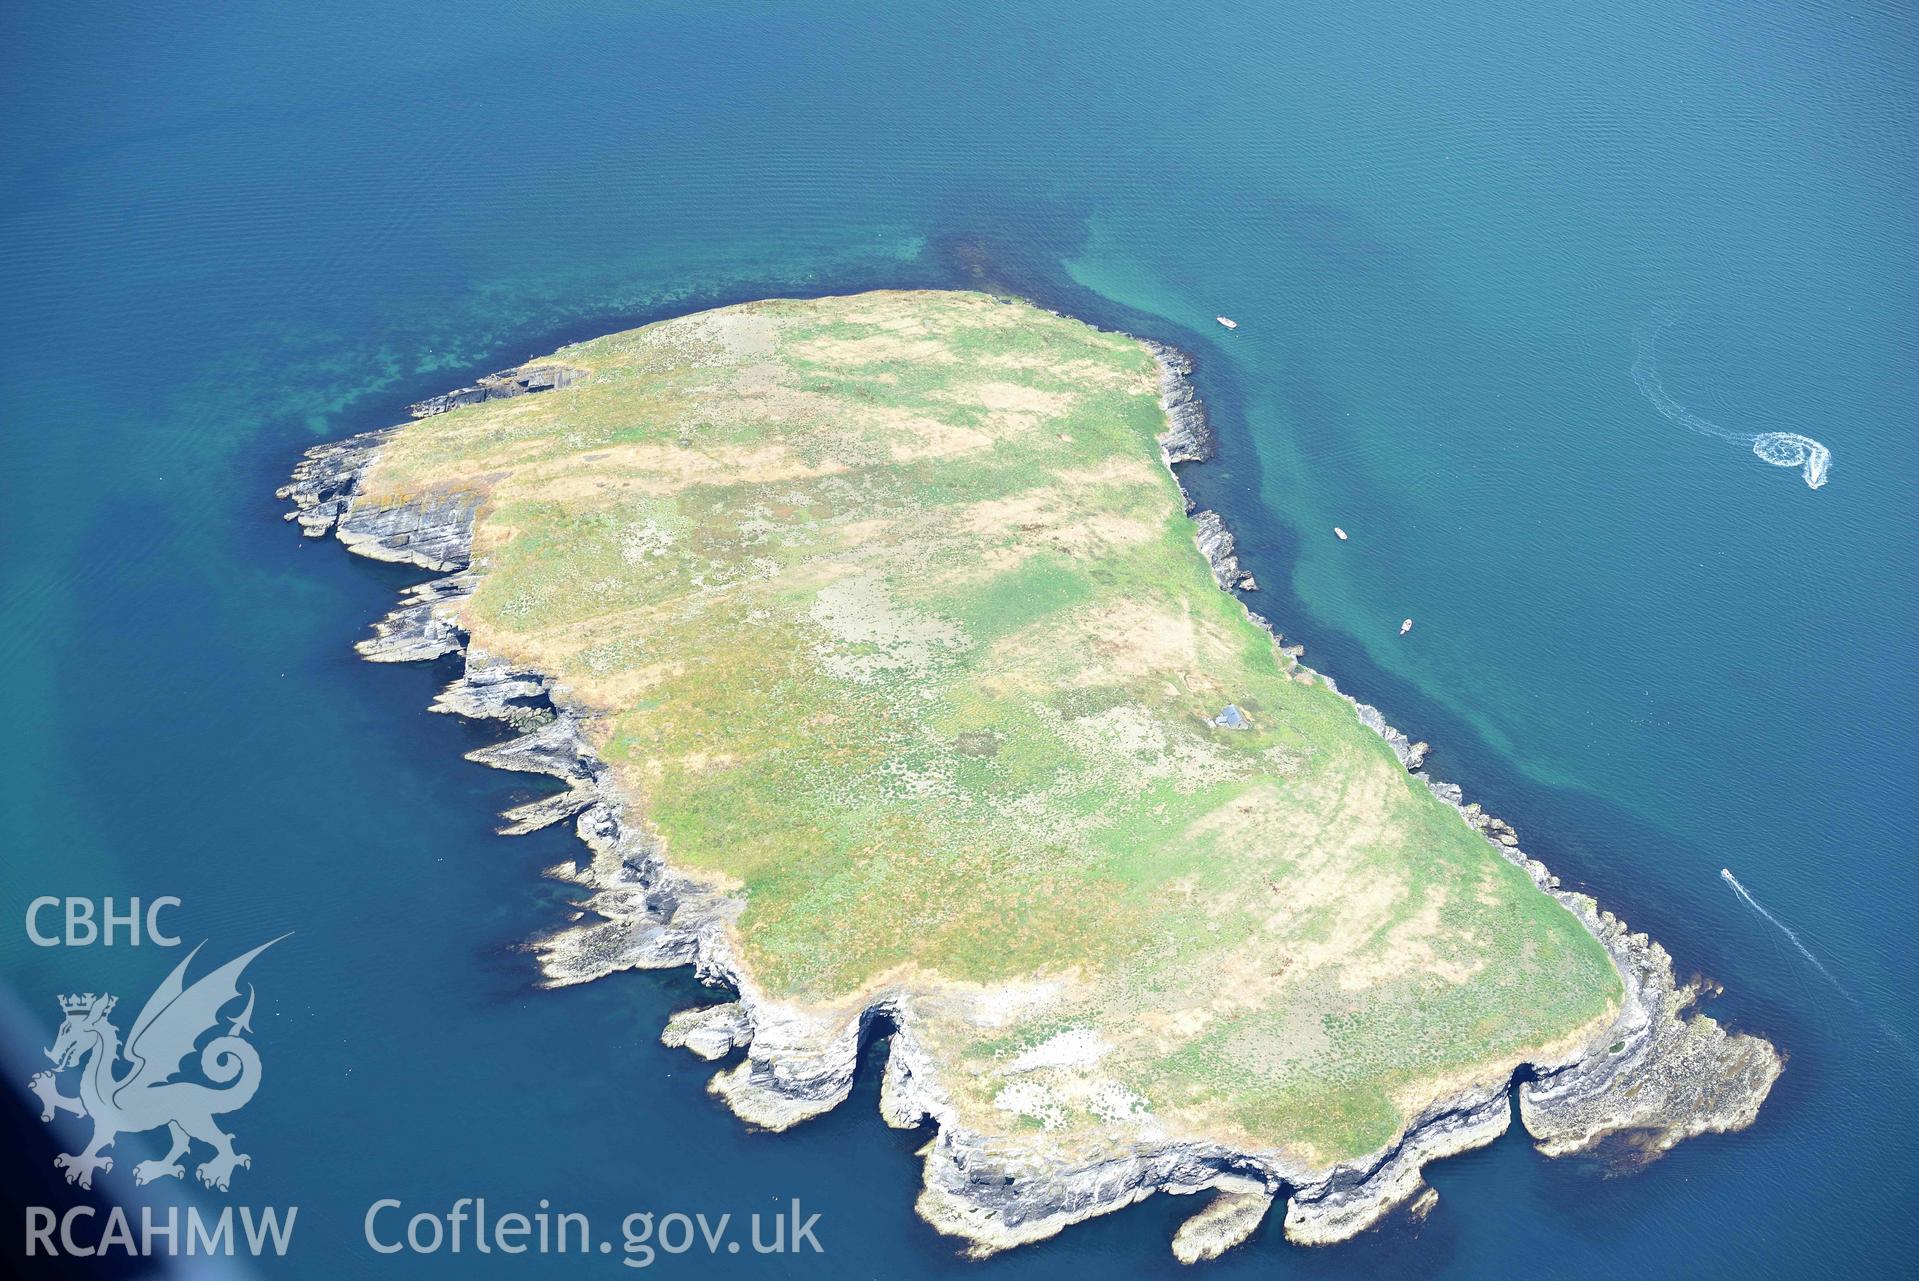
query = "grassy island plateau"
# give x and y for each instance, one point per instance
(892, 682)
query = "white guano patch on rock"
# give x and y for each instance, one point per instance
(1075, 1047)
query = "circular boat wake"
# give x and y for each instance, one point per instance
(1780, 448)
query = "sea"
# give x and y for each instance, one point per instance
(1447, 234)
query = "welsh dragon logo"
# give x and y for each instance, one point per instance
(145, 1096)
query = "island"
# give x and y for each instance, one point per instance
(892, 681)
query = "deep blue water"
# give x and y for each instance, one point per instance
(227, 235)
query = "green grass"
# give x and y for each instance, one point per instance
(898, 629)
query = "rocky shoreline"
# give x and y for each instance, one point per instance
(1656, 1075)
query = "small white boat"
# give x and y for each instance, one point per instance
(1227, 321)
(1405, 627)
(1340, 532)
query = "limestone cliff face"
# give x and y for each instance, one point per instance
(1659, 1073)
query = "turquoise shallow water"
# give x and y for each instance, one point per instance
(224, 237)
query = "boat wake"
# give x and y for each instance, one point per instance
(1780, 448)
(1792, 936)
(1753, 903)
